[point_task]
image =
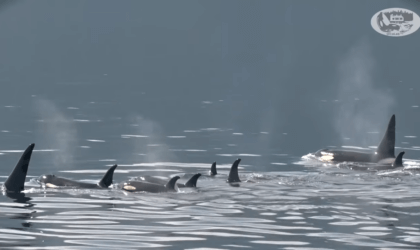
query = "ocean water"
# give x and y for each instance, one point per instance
(284, 201)
(167, 88)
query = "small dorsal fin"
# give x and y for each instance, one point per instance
(398, 161)
(213, 170)
(233, 175)
(16, 180)
(386, 148)
(171, 183)
(192, 182)
(106, 181)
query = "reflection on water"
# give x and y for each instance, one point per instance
(284, 201)
(291, 210)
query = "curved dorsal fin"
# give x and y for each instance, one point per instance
(171, 183)
(106, 181)
(398, 161)
(233, 175)
(213, 170)
(192, 182)
(16, 180)
(386, 148)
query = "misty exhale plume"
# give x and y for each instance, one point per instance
(363, 108)
(56, 131)
(148, 142)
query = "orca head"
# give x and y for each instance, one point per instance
(128, 186)
(46, 178)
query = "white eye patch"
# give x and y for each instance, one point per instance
(50, 185)
(129, 187)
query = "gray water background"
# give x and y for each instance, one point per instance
(266, 81)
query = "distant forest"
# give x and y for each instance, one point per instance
(407, 16)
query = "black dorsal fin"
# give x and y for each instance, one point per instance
(171, 183)
(107, 179)
(398, 161)
(213, 170)
(192, 182)
(16, 180)
(233, 175)
(386, 148)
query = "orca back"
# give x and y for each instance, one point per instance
(52, 181)
(139, 186)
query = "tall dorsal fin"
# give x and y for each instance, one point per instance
(213, 170)
(233, 175)
(171, 183)
(192, 182)
(16, 180)
(386, 148)
(106, 181)
(398, 161)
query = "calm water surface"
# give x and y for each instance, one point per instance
(289, 202)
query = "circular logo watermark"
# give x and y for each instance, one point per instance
(395, 22)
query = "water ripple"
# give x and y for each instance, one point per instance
(341, 207)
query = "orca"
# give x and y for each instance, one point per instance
(15, 183)
(213, 170)
(393, 162)
(52, 181)
(192, 182)
(140, 186)
(233, 174)
(386, 149)
(384, 164)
